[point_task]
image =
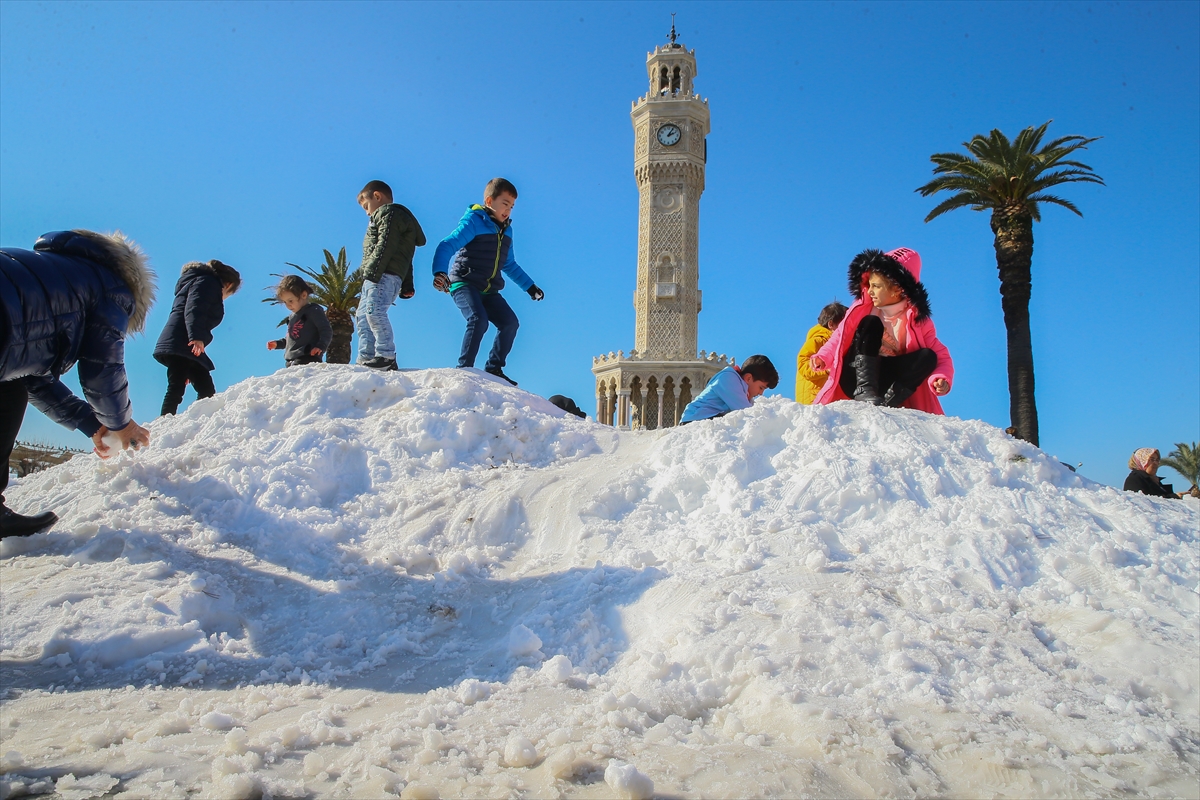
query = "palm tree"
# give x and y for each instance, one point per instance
(1011, 178)
(1185, 459)
(338, 289)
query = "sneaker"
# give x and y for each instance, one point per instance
(380, 362)
(499, 373)
(14, 524)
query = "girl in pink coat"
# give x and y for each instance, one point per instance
(886, 351)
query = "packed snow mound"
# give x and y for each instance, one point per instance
(480, 593)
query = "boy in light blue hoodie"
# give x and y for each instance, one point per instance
(732, 389)
(468, 263)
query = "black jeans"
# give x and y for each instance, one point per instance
(180, 370)
(906, 371)
(13, 399)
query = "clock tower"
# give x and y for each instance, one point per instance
(649, 387)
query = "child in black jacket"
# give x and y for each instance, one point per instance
(308, 331)
(199, 307)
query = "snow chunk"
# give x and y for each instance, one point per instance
(523, 642)
(558, 669)
(627, 783)
(472, 691)
(216, 721)
(519, 752)
(314, 764)
(71, 788)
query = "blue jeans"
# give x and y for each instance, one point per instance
(479, 309)
(374, 327)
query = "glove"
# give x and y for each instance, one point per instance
(535, 292)
(441, 282)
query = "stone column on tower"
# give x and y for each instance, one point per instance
(664, 372)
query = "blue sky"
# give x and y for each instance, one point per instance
(242, 131)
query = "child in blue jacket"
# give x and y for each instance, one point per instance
(732, 389)
(468, 263)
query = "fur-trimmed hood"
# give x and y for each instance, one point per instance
(901, 266)
(117, 252)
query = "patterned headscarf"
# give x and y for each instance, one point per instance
(1142, 457)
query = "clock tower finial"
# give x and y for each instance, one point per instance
(672, 35)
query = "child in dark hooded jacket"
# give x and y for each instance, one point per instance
(308, 331)
(199, 306)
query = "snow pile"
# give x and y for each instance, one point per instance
(334, 581)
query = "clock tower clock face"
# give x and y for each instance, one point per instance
(668, 135)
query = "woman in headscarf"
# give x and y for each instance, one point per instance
(1143, 466)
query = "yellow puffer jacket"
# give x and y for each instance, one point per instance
(808, 380)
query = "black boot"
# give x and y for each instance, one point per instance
(14, 524)
(866, 387)
(896, 394)
(499, 373)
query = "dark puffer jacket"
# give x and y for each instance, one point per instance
(198, 308)
(393, 235)
(72, 299)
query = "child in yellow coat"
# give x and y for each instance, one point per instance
(808, 380)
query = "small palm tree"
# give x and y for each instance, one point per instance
(1011, 178)
(1185, 459)
(338, 289)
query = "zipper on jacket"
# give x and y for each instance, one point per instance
(496, 267)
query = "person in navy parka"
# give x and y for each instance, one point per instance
(199, 306)
(71, 300)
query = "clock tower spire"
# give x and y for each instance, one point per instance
(650, 387)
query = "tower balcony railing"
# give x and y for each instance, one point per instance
(650, 97)
(620, 357)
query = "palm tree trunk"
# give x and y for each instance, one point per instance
(1014, 257)
(343, 332)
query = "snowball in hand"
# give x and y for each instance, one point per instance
(111, 441)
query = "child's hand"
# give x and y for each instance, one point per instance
(441, 282)
(197, 347)
(132, 435)
(536, 293)
(941, 386)
(316, 351)
(271, 345)
(816, 362)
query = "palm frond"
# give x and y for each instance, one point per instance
(1185, 459)
(1035, 199)
(334, 286)
(996, 172)
(951, 203)
(1064, 176)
